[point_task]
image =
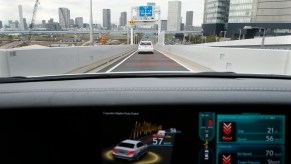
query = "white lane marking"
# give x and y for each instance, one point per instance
(111, 69)
(176, 61)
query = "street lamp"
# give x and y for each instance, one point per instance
(260, 28)
(224, 34)
(91, 25)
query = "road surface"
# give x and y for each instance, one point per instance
(135, 62)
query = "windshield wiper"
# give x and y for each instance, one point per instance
(17, 79)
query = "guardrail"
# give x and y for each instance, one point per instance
(240, 60)
(52, 61)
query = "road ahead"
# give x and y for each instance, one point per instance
(145, 63)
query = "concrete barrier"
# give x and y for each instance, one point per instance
(51, 61)
(239, 60)
(279, 42)
(4, 67)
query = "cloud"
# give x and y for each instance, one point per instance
(49, 9)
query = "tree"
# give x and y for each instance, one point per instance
(211, 38)
(187, 38)
(179, 36)
(197, 39)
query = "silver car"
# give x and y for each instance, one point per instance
(130, 150)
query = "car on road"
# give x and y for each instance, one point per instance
(130, 150)
(145, 47)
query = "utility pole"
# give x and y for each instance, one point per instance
(260, 28)
(91, 25)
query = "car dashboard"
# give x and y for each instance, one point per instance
(203, 120)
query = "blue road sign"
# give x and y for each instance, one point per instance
(145, 11)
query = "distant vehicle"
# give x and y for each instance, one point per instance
(130, 150)
(145, 46)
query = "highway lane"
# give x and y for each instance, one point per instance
(146, 62)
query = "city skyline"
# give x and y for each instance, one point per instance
(79, 9)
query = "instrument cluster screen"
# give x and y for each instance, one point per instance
(203, 137)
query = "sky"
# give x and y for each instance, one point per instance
(80, 8)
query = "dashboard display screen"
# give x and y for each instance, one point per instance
(206, 137)
(149, 135)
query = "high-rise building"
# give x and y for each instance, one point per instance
(151, 4)
(9, 21)
(1, 26)
(123, 19)
(79, 22)
(72, 23)
(174, 15)
(275, 16)
(182, 26)
(50, 24)
(64, 17)
(16, 24)
(13, 25)
(164, 25)
(107, 19)
(51, 21)
(215, 16)
(21, 26)
(25, 24)
(43, 24)
(189, 20)
(113, 26)
(233, 15)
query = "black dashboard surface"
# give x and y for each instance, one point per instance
(142, 91)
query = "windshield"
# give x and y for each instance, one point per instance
(41, 38)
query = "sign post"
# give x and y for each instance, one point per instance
(145, 17)
(131, 23)
(131, 36)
